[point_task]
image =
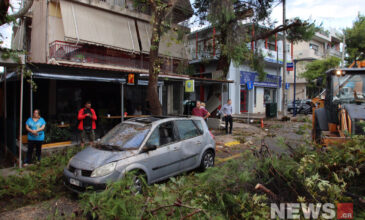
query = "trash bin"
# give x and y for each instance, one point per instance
(271, 109)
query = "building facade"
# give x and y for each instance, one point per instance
(98, 51)
(247, 92)
(321, 46)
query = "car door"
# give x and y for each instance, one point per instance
(191, 143)
(165, 160)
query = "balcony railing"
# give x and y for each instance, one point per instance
(205, 55)
(79, 53)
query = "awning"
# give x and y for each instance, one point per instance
(169, 46)
(94, 26)
(77, 78)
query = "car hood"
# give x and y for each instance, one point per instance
(92, 158)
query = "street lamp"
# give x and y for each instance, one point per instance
(295, 81)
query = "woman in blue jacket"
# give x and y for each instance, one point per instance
(35, 126)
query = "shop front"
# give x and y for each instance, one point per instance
(256, 93)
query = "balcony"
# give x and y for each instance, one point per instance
(204, 55)
(81, 53)
(333, 52)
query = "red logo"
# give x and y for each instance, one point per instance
(345, 211)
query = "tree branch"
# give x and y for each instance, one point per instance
(279, 28)
(22, 11)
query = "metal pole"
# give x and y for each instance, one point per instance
(295, 84)
(21, 118)
(284, 62)
(343, 51)
(122, 101)
(31, 95)
(5, 114)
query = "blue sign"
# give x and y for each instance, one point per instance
(253, 77)
(249, 85)
(287, 85)
(289, 66)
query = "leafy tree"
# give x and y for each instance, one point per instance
(355, 40)
(317, 69)
(226, 17)
(162, 22)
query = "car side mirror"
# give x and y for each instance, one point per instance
(149, 148)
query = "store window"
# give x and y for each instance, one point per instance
(269, 95)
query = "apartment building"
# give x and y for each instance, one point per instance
(98, 51)
(247, 92)
(322, 45)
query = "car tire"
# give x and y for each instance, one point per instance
(139, 180)
(207, 160)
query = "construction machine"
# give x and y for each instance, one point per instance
(339, 112)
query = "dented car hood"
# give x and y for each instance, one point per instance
(92, 158)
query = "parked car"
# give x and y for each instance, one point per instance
(303, 106)
(156, 147)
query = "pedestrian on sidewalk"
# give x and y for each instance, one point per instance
(201, 112)
(227, 113)
(35, 126)
(87, 125)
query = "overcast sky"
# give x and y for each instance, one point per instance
(337, 14)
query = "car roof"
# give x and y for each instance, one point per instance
(156, 119)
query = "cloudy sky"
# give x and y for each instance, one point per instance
(337, 14)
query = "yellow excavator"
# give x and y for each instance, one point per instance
(339, 111)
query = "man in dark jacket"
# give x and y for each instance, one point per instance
(87, 118)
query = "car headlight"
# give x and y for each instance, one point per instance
(104, 170)
(68, 164)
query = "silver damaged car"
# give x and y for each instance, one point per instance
(156, 147)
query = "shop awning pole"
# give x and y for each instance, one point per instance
(5, 114)
(31, 95)
(21, 118)
(122, 101)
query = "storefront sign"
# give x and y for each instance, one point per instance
(189, 86)
(270, 80)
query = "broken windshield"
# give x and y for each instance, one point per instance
(125, 137)
(348, 88)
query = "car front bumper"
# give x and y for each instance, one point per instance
(81, 183)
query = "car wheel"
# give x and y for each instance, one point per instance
(207, 160)
(139, 181)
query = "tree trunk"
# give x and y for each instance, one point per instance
(154, 67)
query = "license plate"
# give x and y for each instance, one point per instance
(74, 182)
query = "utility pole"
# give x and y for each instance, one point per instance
(343, 51)
(283, 101)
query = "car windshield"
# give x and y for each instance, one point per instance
(348, 88)
(124, 136)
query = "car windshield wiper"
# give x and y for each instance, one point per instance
(111, 147)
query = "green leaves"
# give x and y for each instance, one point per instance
(355, 40)
(317, 69)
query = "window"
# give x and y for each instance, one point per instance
(187, 129)
(199, 125)
(162, 135)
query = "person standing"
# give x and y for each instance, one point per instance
(201, 112)
(227, 113)
(35, 126)
(87, 125)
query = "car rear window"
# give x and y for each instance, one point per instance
(187, 129)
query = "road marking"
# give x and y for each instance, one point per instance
(221, 160)
(231, 143)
